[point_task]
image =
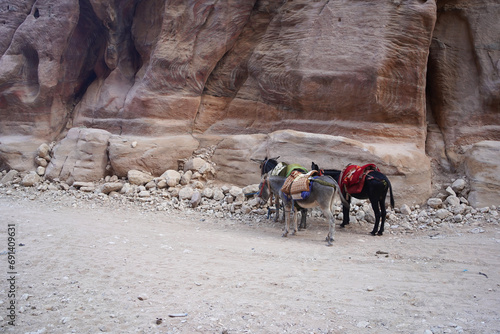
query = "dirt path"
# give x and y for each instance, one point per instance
(117, 270)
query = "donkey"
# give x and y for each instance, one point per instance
(322, 194)
(375, 189)
(267, 166)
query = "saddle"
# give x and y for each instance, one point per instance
(284, 169)
(353, 178)
(298, 185)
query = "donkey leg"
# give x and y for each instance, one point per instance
(383, 213)
(295, 214)
(277, 206)
(331, 226)
(286, 212)
(376, 211)
(345, 213)
(303, 223)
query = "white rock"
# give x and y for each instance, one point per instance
(434, 203)
(144, 193)
(452, 200)
(162, 184)
(172, 177)
(443, 213)
(208, 192)
(450, 191)
(40, 170)
(405, 210)
(235, 191)
(43, 151)
(218, 195)
(186, 193)
(111, 186)
(458, 185)
(127, 189)
(30, 179)
(194, 164)
(9, 177)
(186, 177)
(138, 178)
(150, 185)
(41, 162)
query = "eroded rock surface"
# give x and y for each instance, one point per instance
(174, 77)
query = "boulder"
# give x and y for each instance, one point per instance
(405, 164)
(81, 156)
(9, 177)
(482, 166)
(153, 155)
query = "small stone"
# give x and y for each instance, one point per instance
(162, 184)
(235, 191)
(30, 179)
(450, 191)
(452, 200)
(79, 184)
(208, 193)
(186, 193)
(218, 195)
(443, 213)
(195, 199)
(40, 170)
(133, 144)
(43, 151)
(150, 185)
(186, 177)
(144, 193)
(434, 203)
(363, 324)
(194, 164)
(458, 185)
(138, 178)
(41, 162)
(111, 186)
(405, 210)
(172, 177)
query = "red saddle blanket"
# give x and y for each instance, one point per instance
(353, 177)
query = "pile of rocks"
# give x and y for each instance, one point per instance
(196, 190)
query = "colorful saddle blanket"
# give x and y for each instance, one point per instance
(298, 185)
(284, 169)
(353, 178)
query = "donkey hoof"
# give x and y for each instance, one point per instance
(373, 233)
(284, 235)
(380, 233)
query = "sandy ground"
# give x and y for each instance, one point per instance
(105, 268)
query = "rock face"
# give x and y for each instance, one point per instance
(176, 76)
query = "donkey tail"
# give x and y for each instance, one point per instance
(390, 192)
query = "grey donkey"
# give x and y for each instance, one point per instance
(323, 193)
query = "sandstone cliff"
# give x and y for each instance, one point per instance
(410, 84)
